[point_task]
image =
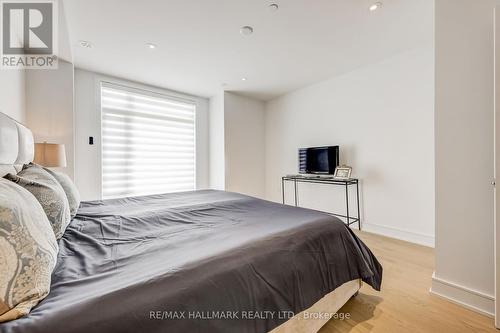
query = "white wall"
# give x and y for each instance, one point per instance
(382, 116)
(88, 123)
(64, 45)
(12, 94)
(13, 83)
(464, 270)
(49, 108)
(216, 138)
(244, 145)
(496, 147)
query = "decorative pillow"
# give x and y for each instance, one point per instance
(28, 251)
(48, 192)
(69, 188)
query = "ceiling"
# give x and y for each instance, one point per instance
(201, 51)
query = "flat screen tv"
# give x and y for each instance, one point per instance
(318, 160)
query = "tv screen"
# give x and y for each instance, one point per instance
(320, 160)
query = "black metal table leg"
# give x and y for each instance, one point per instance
(347, 203)
(357, 199)
(346, 183)
(283, 189)
(295, 185)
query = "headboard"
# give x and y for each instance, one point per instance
(16, 145)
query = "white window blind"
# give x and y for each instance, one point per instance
(148, 143)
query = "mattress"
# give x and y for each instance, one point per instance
(203, 261)
(312, 319)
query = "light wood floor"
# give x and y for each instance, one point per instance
(405, 304)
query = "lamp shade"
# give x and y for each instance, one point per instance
(50, 155)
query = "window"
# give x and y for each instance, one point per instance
(148, 143)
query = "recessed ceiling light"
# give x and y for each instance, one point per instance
(375, 6)
(151, 46)
(274, 7)
(85, 44)
(246, 30)
(244, 79)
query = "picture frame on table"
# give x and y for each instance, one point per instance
(343, 172)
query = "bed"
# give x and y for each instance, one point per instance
(201, 261)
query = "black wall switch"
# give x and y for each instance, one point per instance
(91, 140)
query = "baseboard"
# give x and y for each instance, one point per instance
(408, 236)
(471, 299)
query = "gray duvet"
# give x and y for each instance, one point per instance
(204, 261)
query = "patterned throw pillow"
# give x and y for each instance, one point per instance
(48, 192)
(69, 188)
(28, 251)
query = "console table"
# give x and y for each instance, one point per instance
(346, 184)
